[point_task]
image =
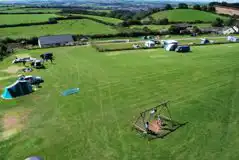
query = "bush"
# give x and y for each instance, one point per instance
(197, 7)
(217, 23)
(168, 7)
(182, 6)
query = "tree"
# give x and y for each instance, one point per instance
(174, 29)
(211, 9)
(204, 8)
(146, 29)
(168, 7)
(182, 6)
(230, 21)
(197, 7)
(195, 29)
(217, 23)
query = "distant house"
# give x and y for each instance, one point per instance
(56, 40)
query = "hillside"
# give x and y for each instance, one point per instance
(24, 18)
(83, 26)
(186, 15)
(105, 19)
(115, 87)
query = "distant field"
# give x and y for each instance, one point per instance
(19, 10)
(83, 26)
(101, 10)
(24, 18)
(186, 15)
(105, 19)
(152, 27)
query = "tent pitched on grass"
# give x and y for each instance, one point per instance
(17, 89)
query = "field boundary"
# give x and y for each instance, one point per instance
(144, 48)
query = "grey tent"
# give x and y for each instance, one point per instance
(56, 40)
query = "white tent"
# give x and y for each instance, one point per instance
(171, 47)
(232, 39)
(149, 44)
(167, 42)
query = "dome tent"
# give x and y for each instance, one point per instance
(33, 158)
(17, 89)
(171, 47)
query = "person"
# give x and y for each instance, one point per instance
(147, 126)
(152, 112)
(159, 122)
(24, 63)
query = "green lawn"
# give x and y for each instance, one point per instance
(115, 87)
(186, 15)
(152, 27)
(24, 18)
(83, 26)
(105, 19)
(20, 10)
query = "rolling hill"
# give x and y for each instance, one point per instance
(186, 15)
(83, 26)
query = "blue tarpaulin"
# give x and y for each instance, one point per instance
(70, 91)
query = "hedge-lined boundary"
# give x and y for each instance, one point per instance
(143, 48)
(55, 20)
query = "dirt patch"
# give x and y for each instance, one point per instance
(22, 55)
(12, 122)
(5, 78)
(13, 69)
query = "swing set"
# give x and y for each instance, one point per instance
(156, 122)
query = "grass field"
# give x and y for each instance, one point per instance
(105, 19)
(20, 10)
(24, 18)
(83, 26)
(115, 88)
(186, 15)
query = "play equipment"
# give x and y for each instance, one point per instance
(19, 88)
(156, 122)
(71, 91)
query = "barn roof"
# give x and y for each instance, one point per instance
(55, 39)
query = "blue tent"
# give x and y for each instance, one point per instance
(19, 88)
(183, 49)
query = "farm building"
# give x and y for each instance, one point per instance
(56, 40)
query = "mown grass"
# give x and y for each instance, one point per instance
(24, 18)
(187, 15)
(115, 88)
(105, 19)
(82, 26)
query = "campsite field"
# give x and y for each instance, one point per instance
(82, 26)
(24, 18)
(114, 88)
(186, 15)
